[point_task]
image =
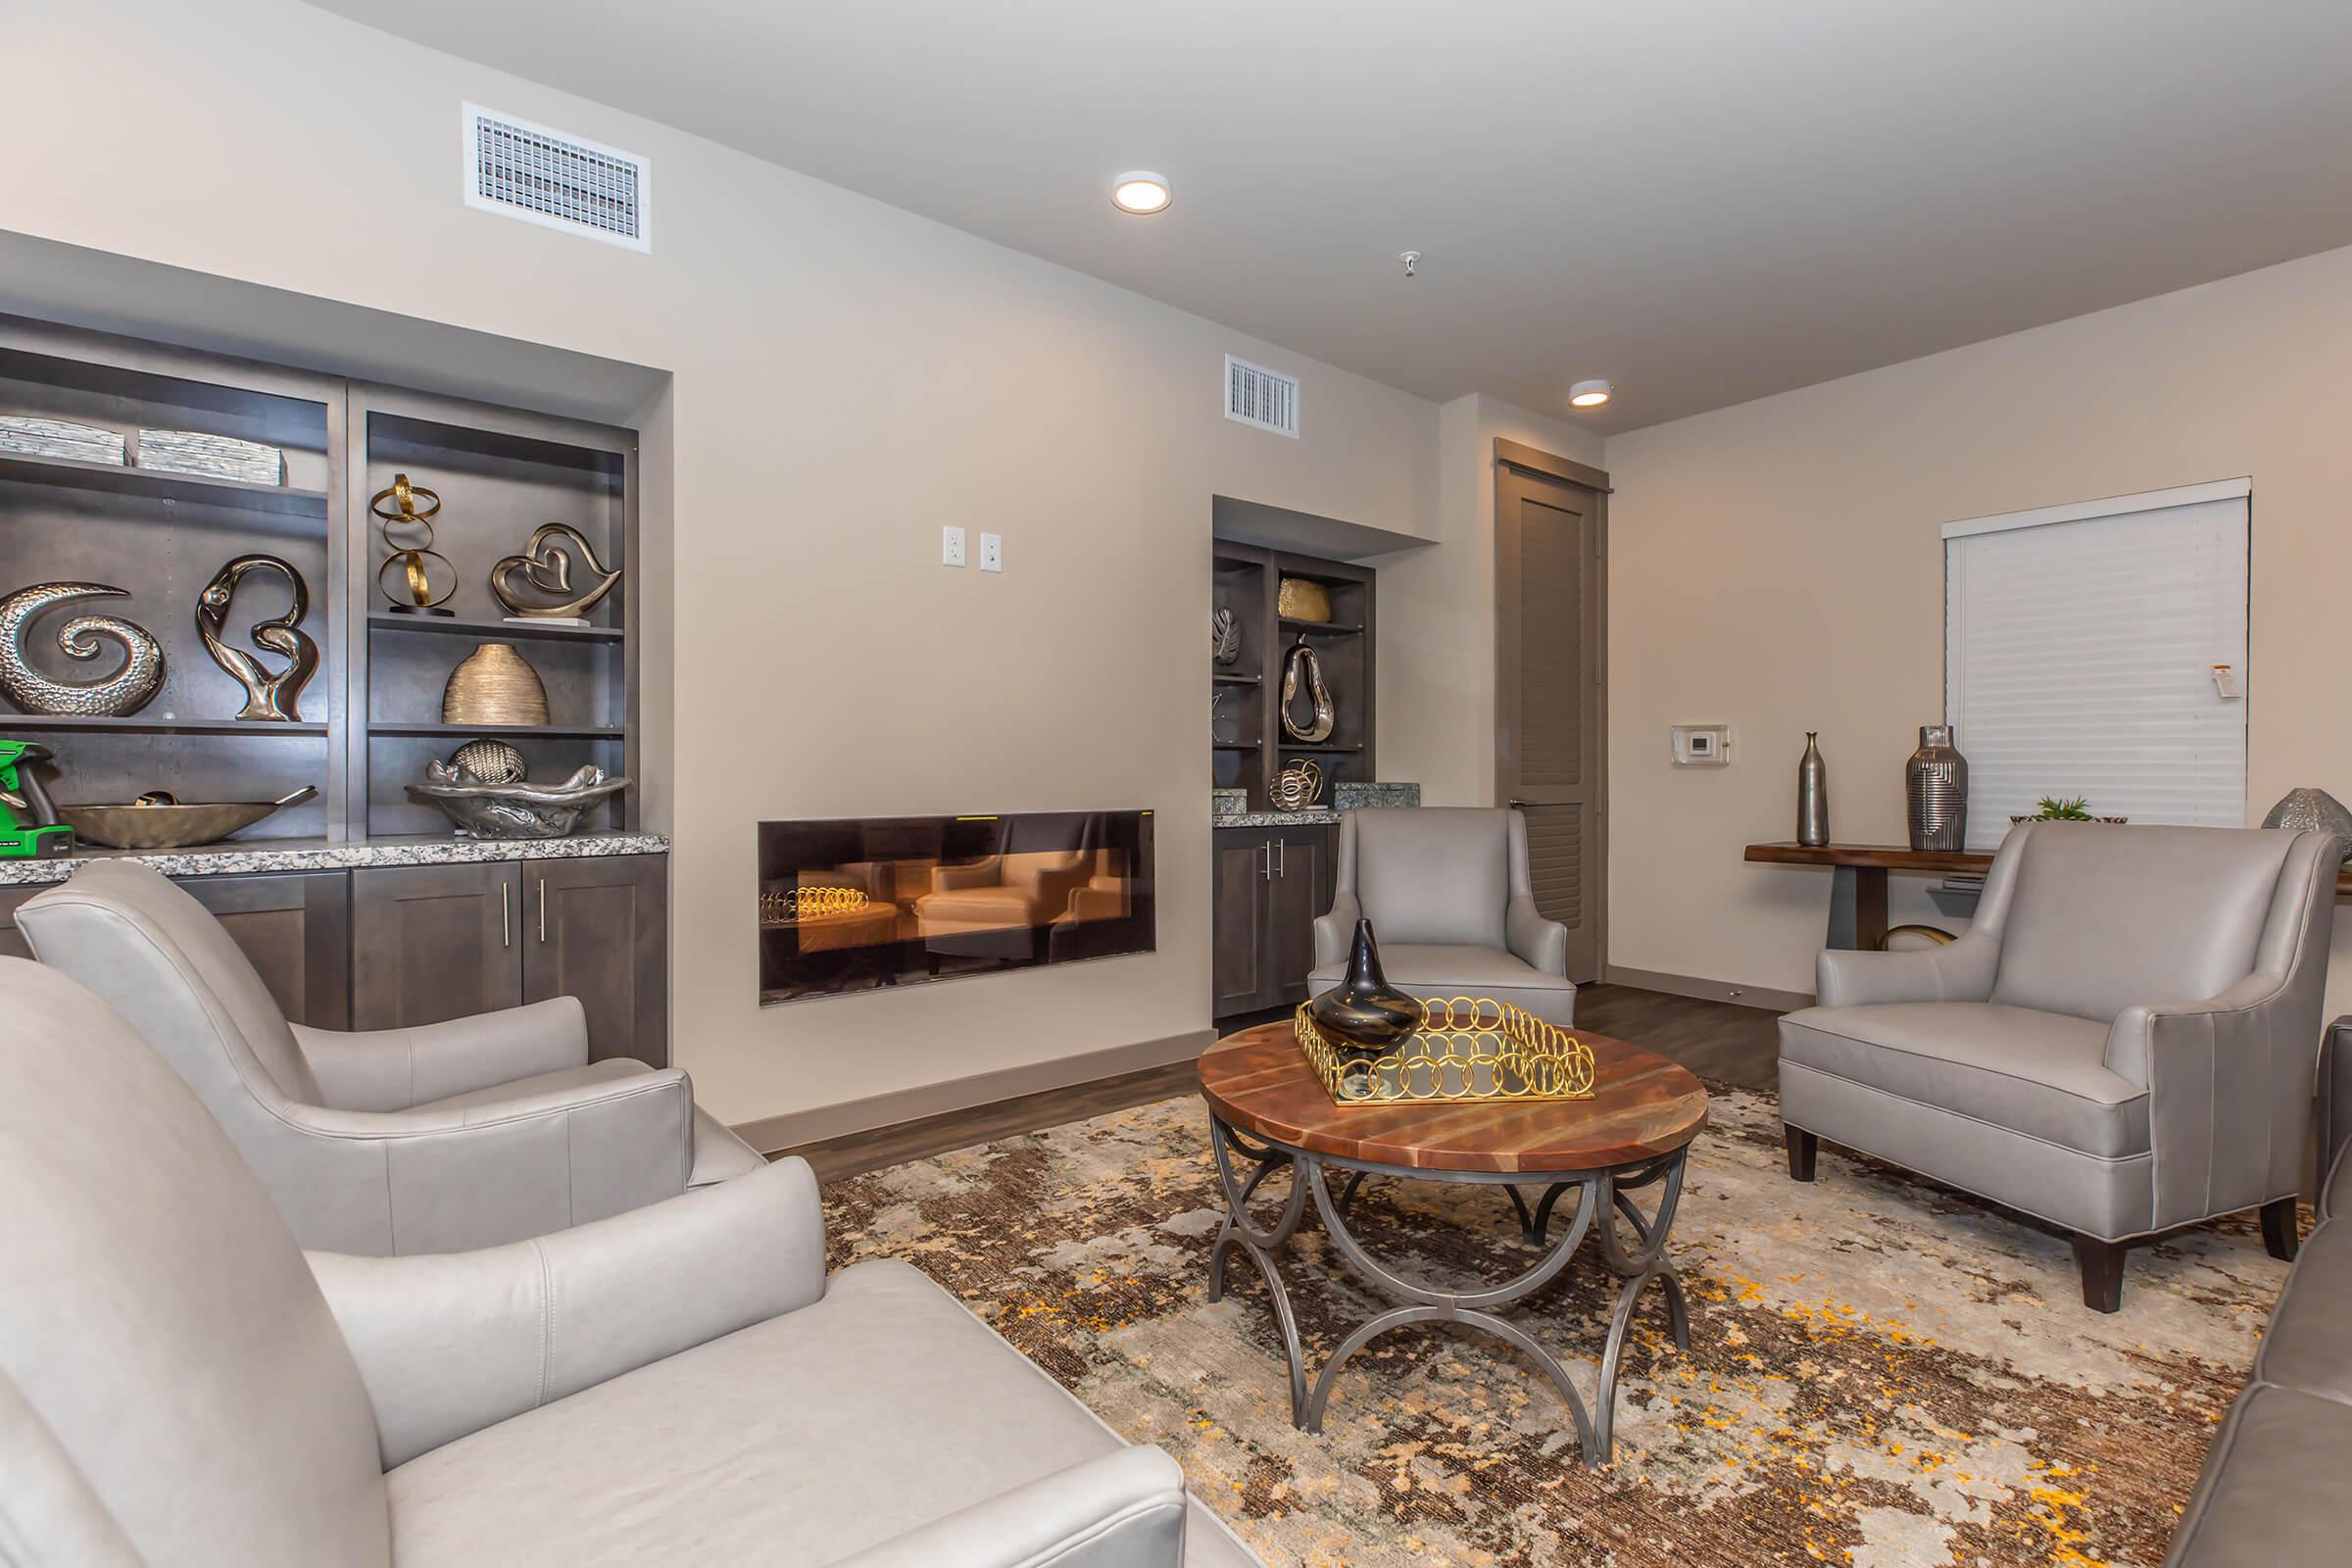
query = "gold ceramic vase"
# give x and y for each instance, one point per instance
(493, 686)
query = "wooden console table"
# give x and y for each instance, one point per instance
(1858, 880)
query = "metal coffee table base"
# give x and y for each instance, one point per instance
(1600, 1200)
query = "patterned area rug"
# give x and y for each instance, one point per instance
(1881, 1372)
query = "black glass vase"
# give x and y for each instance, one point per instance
(1363, 1013)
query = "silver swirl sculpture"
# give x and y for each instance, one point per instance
(268, 697)
(82, 638)
(1300, 657)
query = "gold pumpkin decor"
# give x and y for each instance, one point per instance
(1298, 599)
(493, 686)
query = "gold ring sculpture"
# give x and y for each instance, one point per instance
(1467, 1047)
(396, 506)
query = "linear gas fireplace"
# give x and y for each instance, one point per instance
(854, 904)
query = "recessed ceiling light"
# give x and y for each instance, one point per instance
(1141, 192)
(1589, 394)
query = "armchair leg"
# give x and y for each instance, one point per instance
(2103, 1266)
(1803, 1147)
(2279, 1231)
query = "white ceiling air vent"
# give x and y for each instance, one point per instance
(1266, 399)
(550, 178)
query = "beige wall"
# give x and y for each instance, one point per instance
(1437, 608)
(848, 377)
(1778, 567)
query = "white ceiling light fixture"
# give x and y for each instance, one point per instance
(1589, 394)
(1141, 192)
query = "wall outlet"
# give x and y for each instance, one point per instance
(951, 547)
(992, 552)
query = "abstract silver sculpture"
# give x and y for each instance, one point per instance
(546, 565)
(1224, 637)
(1302, 658)
(515, 810)
(269, 698)
(125, 691)
(2309, 808)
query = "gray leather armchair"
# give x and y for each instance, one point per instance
(179, 1384)
(1446, 891)
(457, 1135)
(2122, 1042)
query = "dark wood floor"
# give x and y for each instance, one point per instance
(1716, 1040)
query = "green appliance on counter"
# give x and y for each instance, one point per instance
(32, 831)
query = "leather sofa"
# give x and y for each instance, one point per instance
(1447, 893)
(179, 1384)
(2121, 1044)
(2272, 1495)
(453, 1135)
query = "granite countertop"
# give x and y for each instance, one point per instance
(317, 855)
(1306, 818)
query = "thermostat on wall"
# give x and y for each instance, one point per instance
(1703, 745)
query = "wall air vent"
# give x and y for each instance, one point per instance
(1266, 399)
(547, 176)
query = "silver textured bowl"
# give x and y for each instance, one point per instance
(515, 810)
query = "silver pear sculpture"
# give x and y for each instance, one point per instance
(270, 697)
(82, 638)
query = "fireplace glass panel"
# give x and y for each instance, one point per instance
(857, 903)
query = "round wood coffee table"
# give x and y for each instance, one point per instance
(1631, 1134)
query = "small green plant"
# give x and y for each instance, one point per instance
(2055, 809)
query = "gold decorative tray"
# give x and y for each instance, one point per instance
(1466, 1049)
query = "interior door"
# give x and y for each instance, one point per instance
(1549, 534)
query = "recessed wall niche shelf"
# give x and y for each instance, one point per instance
(1247, 743)
(372, 712)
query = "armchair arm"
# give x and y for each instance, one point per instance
(1121, 1510)
(2335, 1099)
(2229, 1082)
(392, 1069)
(1334, 931)
(450, 1178)
(1957, 971)
(1540, 944)
(456, 1342)
(986, 873)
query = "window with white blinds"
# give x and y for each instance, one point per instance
(2081, 646)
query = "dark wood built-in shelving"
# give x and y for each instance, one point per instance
(143, 723)
(1245, 580)
(523, 732)
(120, 479)
(497, 630)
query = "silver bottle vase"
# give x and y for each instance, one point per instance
(1812, 794)
(1936, 786)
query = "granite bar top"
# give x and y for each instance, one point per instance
(1306, 818)
(317, 855)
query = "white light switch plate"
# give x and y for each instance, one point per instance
(951, 547)
(992, 552)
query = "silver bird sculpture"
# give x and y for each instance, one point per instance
(269, 698)
(82, 638)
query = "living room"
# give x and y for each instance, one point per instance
(1655, 390)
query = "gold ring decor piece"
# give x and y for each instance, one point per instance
(804, 904)
(419, 582)
(404, 497)
(1467, 1047)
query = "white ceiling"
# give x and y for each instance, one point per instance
(1704, 200)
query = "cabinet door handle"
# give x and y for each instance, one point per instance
(1281, 866)
(506, 919)
(1266, 868)
(543, 909)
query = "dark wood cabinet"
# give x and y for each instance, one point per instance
(1271, 883)
(431, 943)
(294, 925)
(598, 928)
(437, 942)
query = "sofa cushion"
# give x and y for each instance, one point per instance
(799, 1441)
(2272, 1495)
(718, 1155)
(2043, 1074)
(2308, 1346)
(1432, 970)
